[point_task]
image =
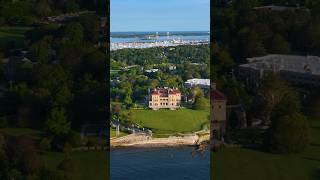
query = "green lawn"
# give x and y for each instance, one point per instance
(113, 133)
(15, 34)
(241, 163)
(36, 134)
(88, 165)
(167, 122)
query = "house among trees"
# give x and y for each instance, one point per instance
(298, 70)
(219, 114)
(202, 83)
(164, 98)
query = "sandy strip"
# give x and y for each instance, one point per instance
(140, 140)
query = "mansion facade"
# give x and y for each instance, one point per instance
(164, 98)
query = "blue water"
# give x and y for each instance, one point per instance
(128, 37)
(159, 164)
(161, 38)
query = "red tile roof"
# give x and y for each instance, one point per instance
(164, 92)
(217, 95)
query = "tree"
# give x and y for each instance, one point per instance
(278, 45)
(245, 4)
(56, 82)
(67, 165)
(201, 103)
(225, 60)
(43, 8)
(42, 51)
(45, 144)
(274, 91)
(311, 34)
(127, 100)
(74, 32)
(288, 134)
(249, 43)
(57, 123)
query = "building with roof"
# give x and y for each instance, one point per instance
(203, 83)
(280, 8)
(218, 114)
(298, 70)
(164, 98)
(151, 70)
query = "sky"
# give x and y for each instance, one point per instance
(159, 15)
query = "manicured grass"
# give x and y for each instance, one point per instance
(12, 34)
(36, 134)
(113, 133)
(241, 163)
(114, 72)
(167, 122)
(88, 165)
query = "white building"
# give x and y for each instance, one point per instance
(299, 70)
(151, 70)
(203, 83)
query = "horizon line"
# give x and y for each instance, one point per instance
(165, 31)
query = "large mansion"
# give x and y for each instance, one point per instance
(298, 70)
(164, 98)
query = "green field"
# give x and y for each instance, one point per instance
(241, 163)
(12, 34)
(88, 165)
(167, 122)
(114, 72)
(113, 133)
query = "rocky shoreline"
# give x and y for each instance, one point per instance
(145, 141)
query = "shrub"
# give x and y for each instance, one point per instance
(67, 148)
(288, 134)
(91, 142)
(201, 103)
(67, 165)
(45, 144)
(15, 174)
(74, 139)
(3, 122)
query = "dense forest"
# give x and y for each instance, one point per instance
(52, 81)
(30, 12)
(248, 32)
(158, 55)
(244, 29)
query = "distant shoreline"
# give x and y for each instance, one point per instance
(160, 34)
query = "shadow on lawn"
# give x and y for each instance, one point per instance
(313, 159)
(316, 173)
(315, 144)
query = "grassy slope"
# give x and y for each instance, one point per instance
(89, 165)
(166, 122)
(16, 34)
(240, 163)
(113, 133)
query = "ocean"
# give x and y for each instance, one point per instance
(159, 164)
